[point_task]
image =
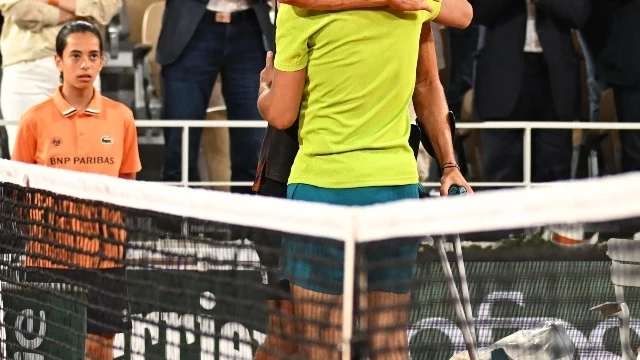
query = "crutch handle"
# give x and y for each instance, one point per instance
(457, 190)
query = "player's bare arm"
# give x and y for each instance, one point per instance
(404, 5)
(101, 11)
(432, 111)
(32, 15)
(280, 94)
(454, 13)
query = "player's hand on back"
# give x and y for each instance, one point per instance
(410, 5)
(452, 176)
(266, 75)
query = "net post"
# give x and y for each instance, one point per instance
(526, 153)
(3, 328)
(348, 286)
(185, 156)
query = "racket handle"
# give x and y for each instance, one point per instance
(457, 190)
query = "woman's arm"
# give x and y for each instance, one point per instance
(34, 15)
(280, 94)
(101, 11)
(454, 13)
(404, 5)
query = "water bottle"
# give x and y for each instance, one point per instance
(547, 341)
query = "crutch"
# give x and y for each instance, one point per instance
(462, 308)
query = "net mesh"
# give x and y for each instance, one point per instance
(156, 272)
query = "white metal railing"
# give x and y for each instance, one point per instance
(527, 126)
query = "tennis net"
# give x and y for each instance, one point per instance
(179, 273)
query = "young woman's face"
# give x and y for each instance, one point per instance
(81, 60)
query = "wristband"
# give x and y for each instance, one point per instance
(449, 165)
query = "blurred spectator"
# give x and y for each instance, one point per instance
(621, 71)
(199, 40)
(28, 38)
(462, 45)
(527, 69)
(593, 37)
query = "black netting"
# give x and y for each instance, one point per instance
(156, 286)
(82, 276)
(518, 280)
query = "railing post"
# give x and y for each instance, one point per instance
(526, 154)
(185, 156)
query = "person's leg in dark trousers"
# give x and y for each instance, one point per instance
(627, 101)
(502, 148)
(280, 327)
(244, 56)
(502, 152)
(551, 149)
(186, 86)
(462, 45)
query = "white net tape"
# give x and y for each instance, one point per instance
(568, 202)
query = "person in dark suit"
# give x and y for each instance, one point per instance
(528, 69)
(199, 40)
(620, 60)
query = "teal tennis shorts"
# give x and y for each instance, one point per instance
(317, 264)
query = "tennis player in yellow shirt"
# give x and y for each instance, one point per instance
(355, 90)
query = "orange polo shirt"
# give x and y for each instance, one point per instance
(100, 140)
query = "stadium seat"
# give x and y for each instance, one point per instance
(150, 31)
(117, 75)
(472, 144)
(117, 32)
(141, 76)
(146, 24)
(611, 145)
(216, 161)
(625, 271)
(147, 104)
(136, 10)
